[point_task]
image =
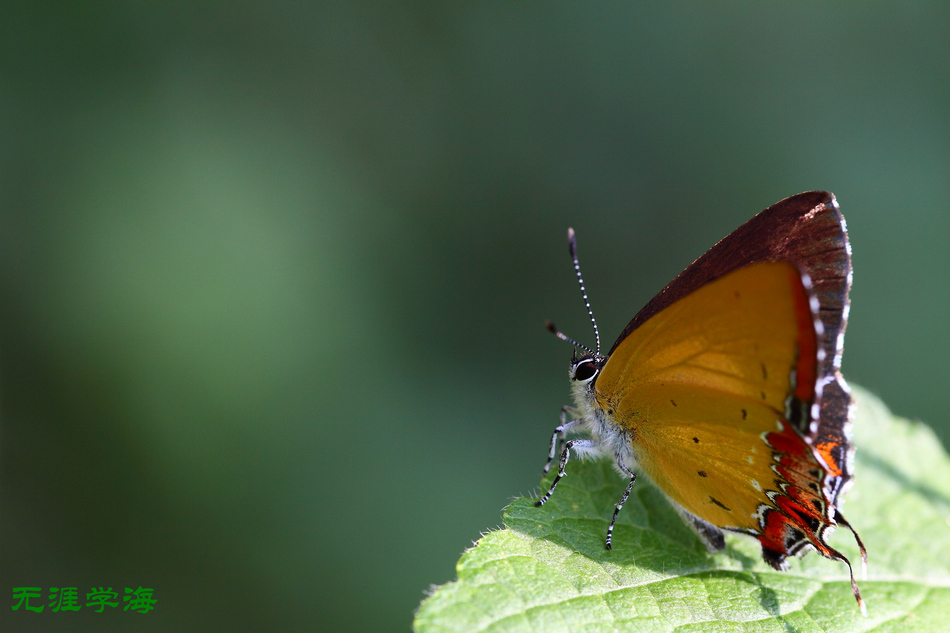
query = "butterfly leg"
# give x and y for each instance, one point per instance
(561, 432)
(623, 499)
(565, 455)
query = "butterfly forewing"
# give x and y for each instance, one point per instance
(808, 230)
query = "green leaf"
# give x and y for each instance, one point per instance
(548, 569)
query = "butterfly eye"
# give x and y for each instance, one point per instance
(585, 371)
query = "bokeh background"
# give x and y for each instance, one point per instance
(274, 274)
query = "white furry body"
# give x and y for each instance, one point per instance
(609, 438)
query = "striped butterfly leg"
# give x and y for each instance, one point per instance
(565, 455)
(561, 433)
(623, 498)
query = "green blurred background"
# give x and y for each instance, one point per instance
(274, 274)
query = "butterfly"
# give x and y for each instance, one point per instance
(726, 390)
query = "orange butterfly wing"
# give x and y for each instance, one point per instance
(703, 388)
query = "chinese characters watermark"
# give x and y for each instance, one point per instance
(97, 599)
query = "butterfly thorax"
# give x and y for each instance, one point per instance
(611, 439)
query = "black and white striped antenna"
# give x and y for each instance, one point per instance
(572, 245)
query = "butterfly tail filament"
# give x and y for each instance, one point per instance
(864, 553)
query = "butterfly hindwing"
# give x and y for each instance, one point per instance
(705, 389)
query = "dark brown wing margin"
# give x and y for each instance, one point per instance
(808, 230)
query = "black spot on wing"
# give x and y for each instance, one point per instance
(793, 537)
(774, 558)
(797, 413)
(804, 518)
(701, 473)
(719, 503)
